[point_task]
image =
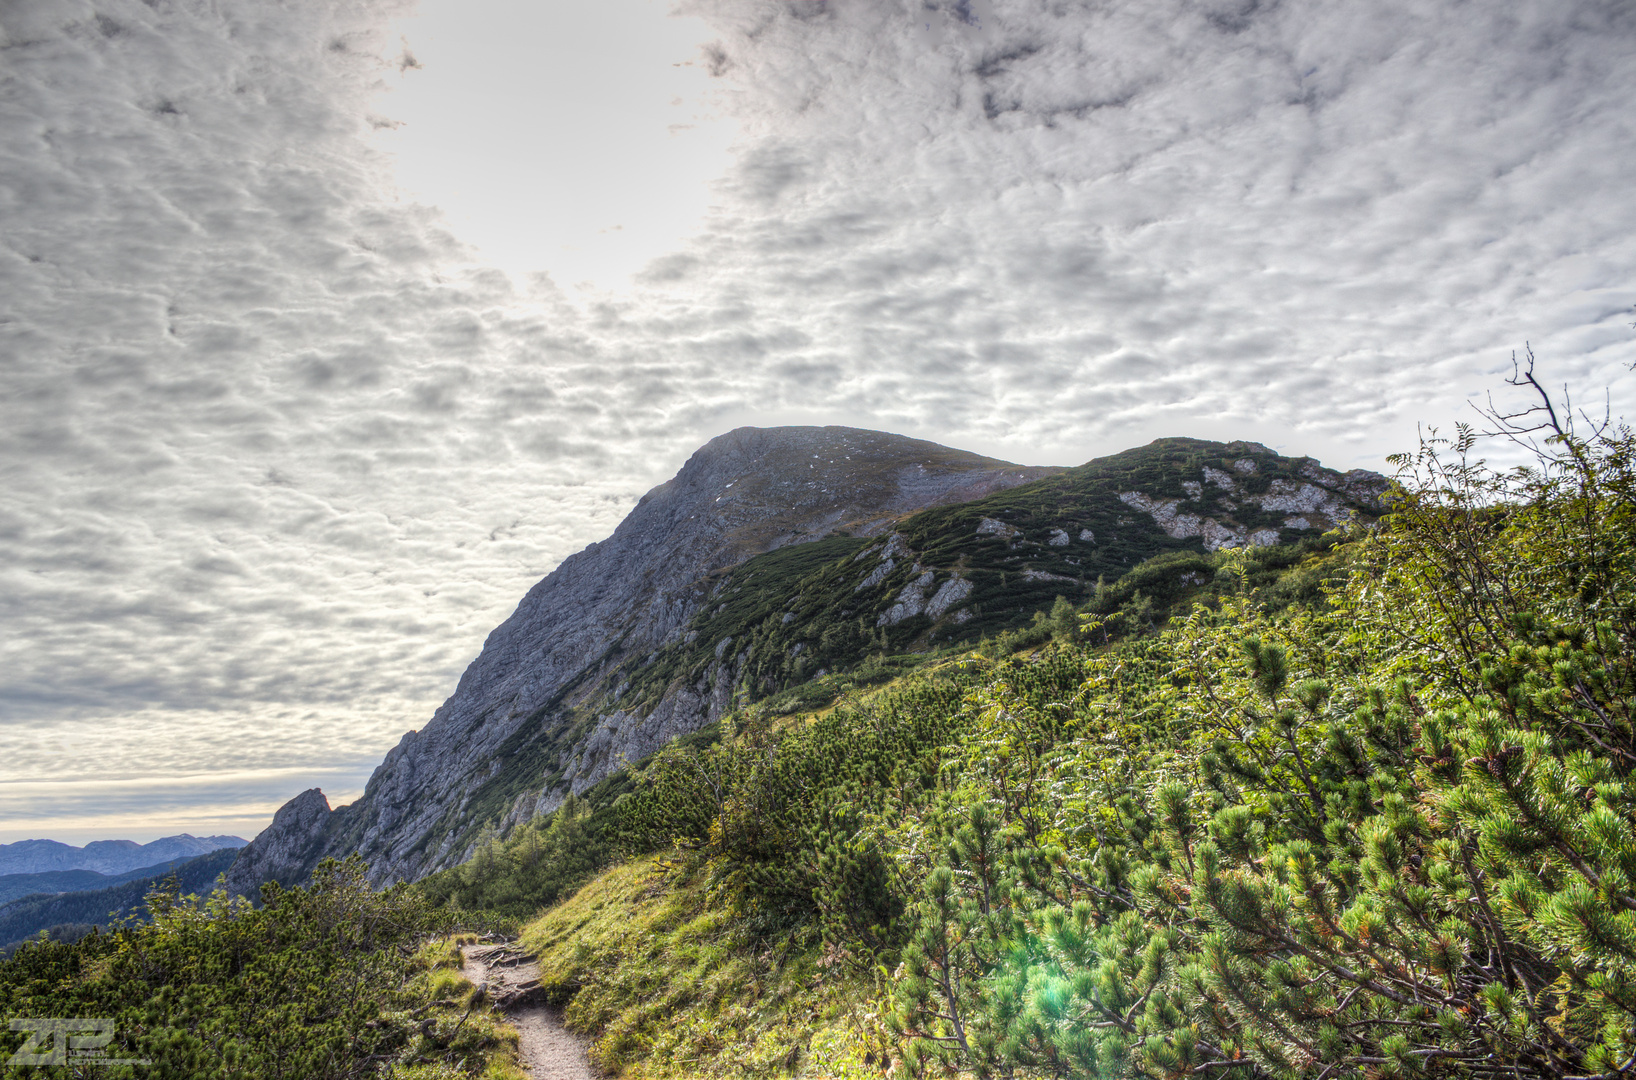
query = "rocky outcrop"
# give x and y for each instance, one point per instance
(1323, 502)
(917, 598)
(620, 739)
(287, 850)
(744, 493)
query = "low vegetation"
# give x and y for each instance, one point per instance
(1360, 805)
(1375, 820)
(328, 981)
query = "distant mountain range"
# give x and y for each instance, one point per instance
(54, 882)
(778, 557)
(69, 915)
(114, 857)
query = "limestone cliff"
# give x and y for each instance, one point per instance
(286, 850)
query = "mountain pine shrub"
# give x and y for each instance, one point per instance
(1391, 837)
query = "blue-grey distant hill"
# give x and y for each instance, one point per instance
(107, 856)
(52, 882)
(79, 911)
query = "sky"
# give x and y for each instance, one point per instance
(326, 330)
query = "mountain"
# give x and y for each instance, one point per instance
(106, 856)
(53, 882)
(750, 491)
(29, 915)
(774, 557)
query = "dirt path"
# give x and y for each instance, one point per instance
(549, 1051)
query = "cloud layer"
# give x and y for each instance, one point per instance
(277, 452)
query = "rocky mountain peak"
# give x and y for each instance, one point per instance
(284, 846)
(774, 559)
(749, 491)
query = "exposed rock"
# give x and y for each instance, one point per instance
(1182, 525)
(744, 493)
(995, 527)
(910, 601)
(285, 851)
(876, 576)
(952, 592)
(1287, 495)
(1360, 485)
(1321, 503)
(1059, 538)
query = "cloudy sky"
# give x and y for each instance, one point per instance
(327, 329)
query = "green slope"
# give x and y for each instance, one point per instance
(812, 620)
(806, 609)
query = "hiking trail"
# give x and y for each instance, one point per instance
(511, 980)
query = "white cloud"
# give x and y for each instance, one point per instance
(558, 135)
(279, 450)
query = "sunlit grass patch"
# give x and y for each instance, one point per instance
(670, 982)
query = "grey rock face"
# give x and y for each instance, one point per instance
(285, 851)
(1322, 503)
(744, 493)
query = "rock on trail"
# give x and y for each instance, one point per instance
(511, 980)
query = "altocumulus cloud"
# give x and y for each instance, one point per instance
(278, 452)
(1064, 224)
(276, 455)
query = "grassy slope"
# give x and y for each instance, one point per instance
(663, 973)
(665, 979)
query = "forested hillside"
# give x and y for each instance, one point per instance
(72, 913)
(53, 882)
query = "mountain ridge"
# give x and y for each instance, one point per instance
(636, 640)
(107, 856)
(749, 491)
